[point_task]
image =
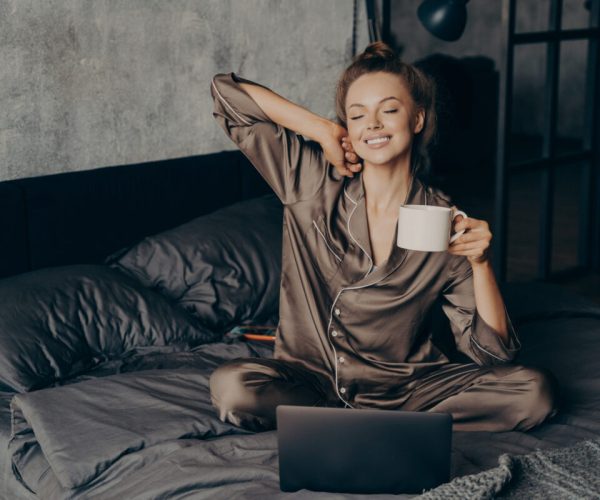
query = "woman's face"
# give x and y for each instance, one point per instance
(382, 118)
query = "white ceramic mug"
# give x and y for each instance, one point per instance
(426, 228)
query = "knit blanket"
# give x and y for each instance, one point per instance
(564, 473)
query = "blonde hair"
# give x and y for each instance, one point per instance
(380, 57)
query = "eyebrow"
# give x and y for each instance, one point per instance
(382, 100)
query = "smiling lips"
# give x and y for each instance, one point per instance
(377, 142)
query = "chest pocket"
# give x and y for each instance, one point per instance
(325, 254)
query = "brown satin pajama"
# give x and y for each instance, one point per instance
(351, 333)
(247, 391)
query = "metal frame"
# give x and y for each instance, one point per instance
(589, 157)
(379, 30)
(372, 25)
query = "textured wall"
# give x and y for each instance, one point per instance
(89, 83)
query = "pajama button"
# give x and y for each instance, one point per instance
(343, 390)
(337, 312)
(334, 333)
(342, 359)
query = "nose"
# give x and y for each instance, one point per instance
(373, 123)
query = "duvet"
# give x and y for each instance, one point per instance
(148, 433)
(124, 410)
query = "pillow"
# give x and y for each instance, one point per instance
(224, 268)
(59, 321)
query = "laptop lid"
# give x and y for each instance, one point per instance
(362, 451)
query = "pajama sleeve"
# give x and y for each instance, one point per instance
(293, 167)
(473, 336)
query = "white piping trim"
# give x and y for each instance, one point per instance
(345, 289)
(335, 357)
(325, 240)
(348, 196)
(512, 334)
(486, 351)
(242, 119)
(329, 333)
(352, 236)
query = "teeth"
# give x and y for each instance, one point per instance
(379, 140)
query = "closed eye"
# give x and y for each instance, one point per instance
(387, 111)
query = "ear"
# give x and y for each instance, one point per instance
(419, 121)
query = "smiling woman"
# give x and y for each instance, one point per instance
(401, 96)
(386, 125)
(355, 308)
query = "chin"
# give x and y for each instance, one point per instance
(394, 152)
(379, 157)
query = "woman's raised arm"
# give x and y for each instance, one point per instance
(304, 122)
(271, 131)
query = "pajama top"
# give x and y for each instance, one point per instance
(366, 332)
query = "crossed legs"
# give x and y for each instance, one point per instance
(247, 391)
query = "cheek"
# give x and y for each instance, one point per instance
(354, 136)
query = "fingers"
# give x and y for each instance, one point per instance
(475, 252)
(462, 223)
(476, 255)
(461, 248)
(346, 169)
(475, 242)
(474, 245)
(472, 236)
(352, 159)
(347, 145)
(354, 167)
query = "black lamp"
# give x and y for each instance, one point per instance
(445, 19)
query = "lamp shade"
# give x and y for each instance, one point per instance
(445, 19)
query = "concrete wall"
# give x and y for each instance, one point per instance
(90, 83)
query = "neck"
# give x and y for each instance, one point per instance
(386, 186)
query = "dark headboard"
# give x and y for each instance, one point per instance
(82, 217)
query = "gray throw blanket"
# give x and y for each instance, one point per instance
(571, 473)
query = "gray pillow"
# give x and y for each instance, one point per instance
(57, 322)
(224, 268)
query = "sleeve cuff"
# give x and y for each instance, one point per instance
(233, 102)
(488, 342)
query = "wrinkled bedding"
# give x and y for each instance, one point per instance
(140, 425)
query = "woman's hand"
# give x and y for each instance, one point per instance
(475, 242)
(339, 152)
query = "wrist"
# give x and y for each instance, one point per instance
(328, 131)
(316, 128)
(481, 266)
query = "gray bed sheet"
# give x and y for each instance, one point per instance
(193, 455)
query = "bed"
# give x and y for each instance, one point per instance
(124, 288)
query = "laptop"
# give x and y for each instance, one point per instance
(362, 451)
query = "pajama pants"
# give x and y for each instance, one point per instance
(247, 391)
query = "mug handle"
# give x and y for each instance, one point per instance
(460, 233)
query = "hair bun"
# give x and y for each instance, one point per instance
(378, 50)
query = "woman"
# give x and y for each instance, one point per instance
(355, 308)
